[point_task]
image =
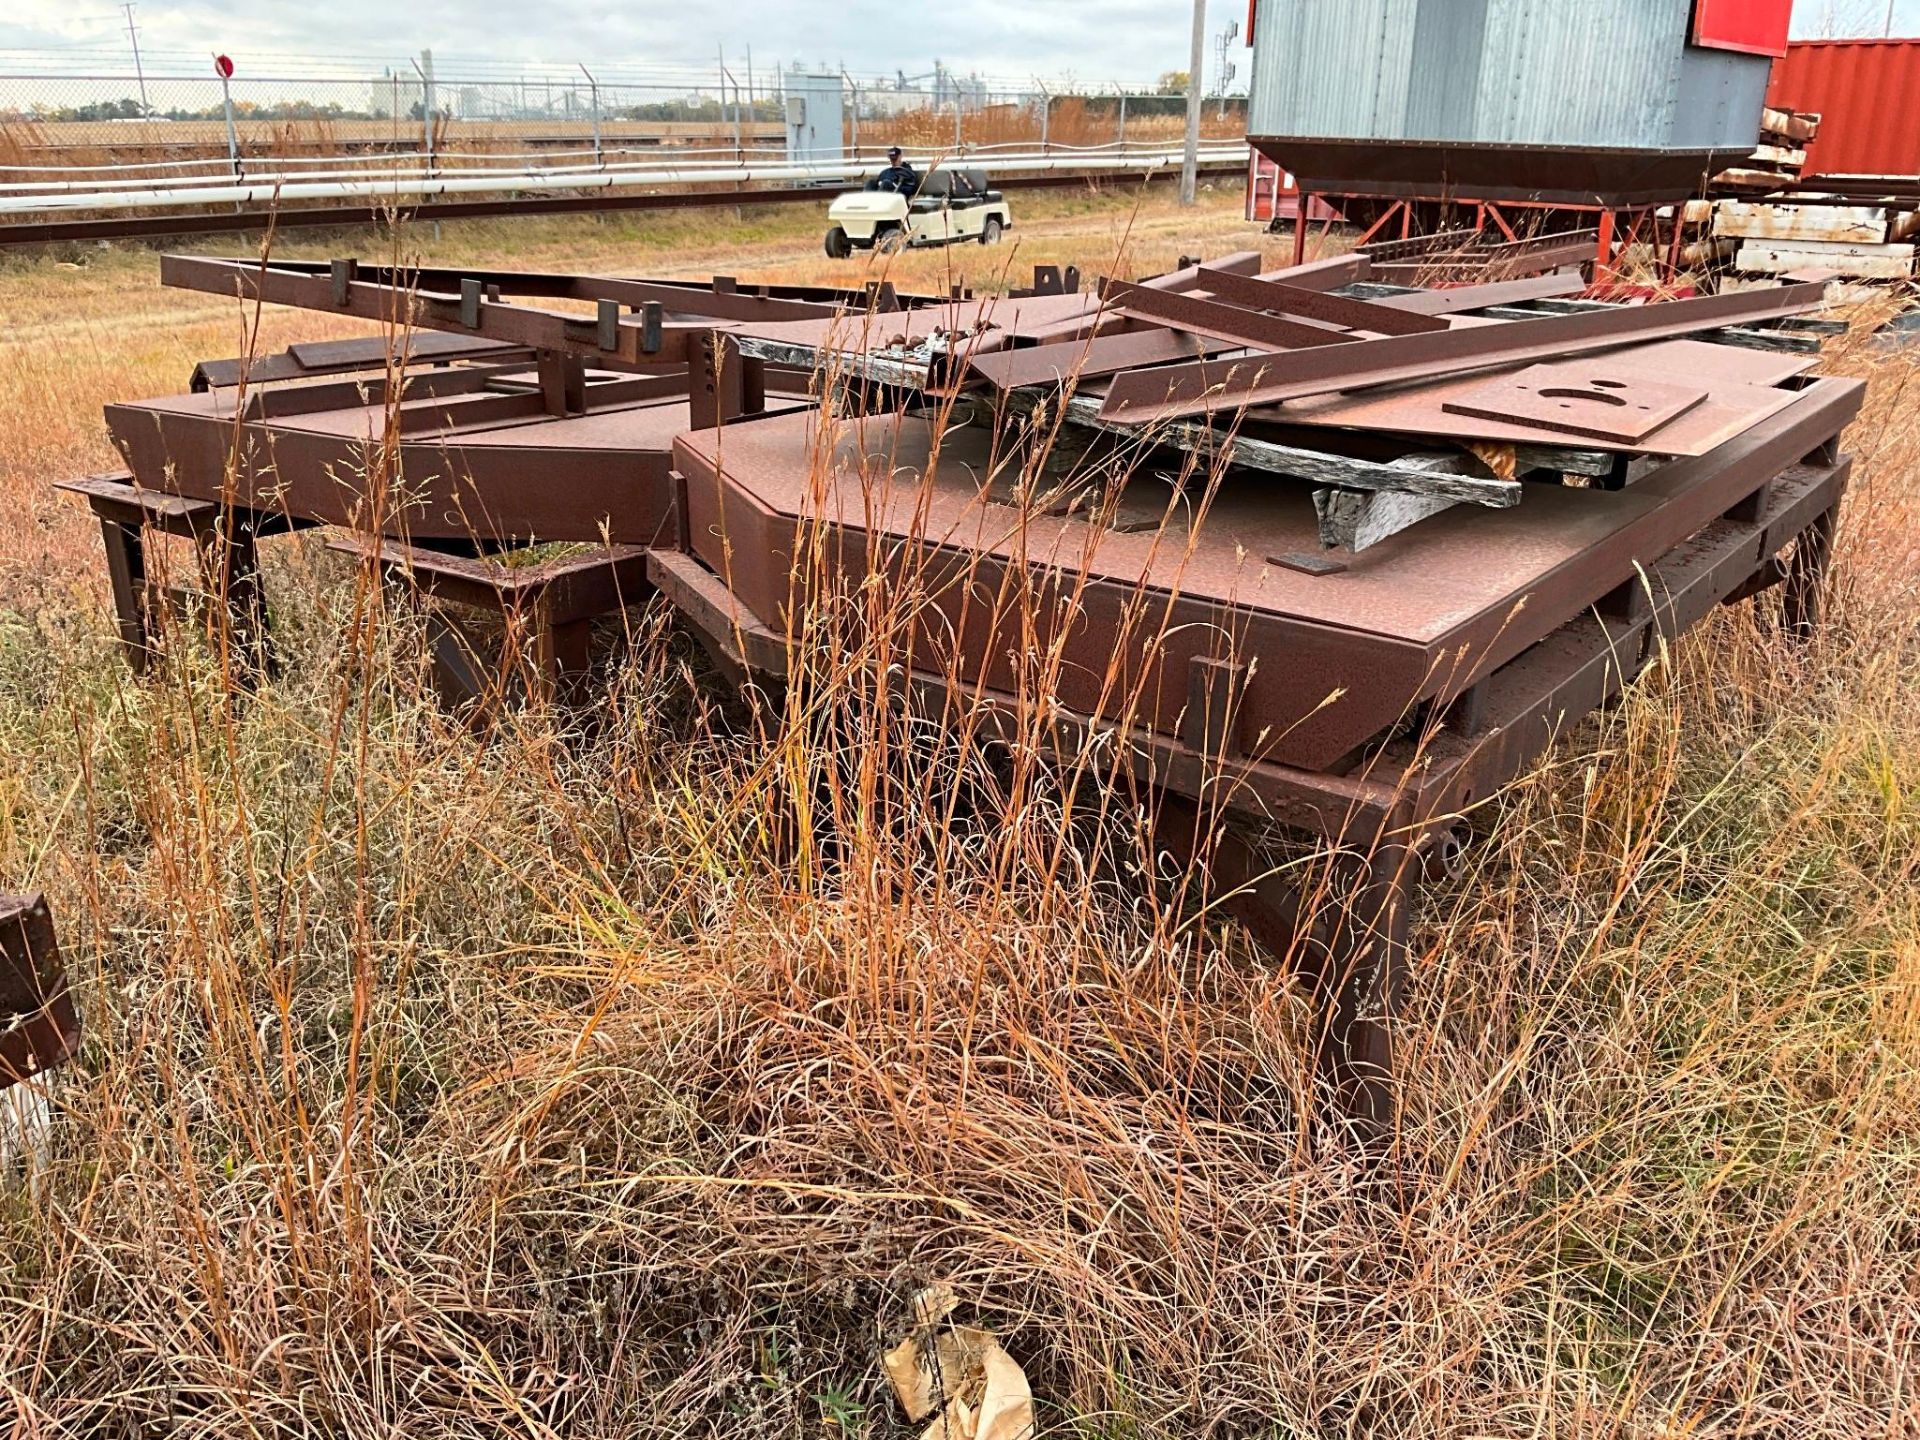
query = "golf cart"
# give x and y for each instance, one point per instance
(951, 205)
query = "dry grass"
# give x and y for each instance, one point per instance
(626, 1084)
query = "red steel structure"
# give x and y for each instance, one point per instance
(1268, 620)
(1863, 92)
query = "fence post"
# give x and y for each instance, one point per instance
(1046, 115)
(223, 67)
(1123, 123)
(854, 111)
(593, 99)
(425, 72)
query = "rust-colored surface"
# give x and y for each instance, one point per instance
(1863, 92)
(39, 1027)
(1344, 656)
(1591, 398)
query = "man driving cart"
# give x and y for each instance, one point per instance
(899, 176)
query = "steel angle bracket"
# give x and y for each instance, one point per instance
(39, 1027)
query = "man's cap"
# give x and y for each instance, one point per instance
(893, 150)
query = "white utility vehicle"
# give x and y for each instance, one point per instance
(951, 205)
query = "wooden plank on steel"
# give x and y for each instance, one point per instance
(1180, 391)
(1412, 476)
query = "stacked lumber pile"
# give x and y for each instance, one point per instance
(1777, 161)
(1762, 221)
(1854, 238)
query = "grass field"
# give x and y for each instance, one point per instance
(545, 1084)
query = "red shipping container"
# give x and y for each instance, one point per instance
(1864, 92)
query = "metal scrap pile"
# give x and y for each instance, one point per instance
(1393, 402)
(1313, 549)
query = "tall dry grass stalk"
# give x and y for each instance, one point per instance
(551, 1081)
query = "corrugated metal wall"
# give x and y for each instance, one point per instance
(1585, 73)
(1866, 93)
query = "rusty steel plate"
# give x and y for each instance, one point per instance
(1743, 388)
(1597, 399)
(1342, 655)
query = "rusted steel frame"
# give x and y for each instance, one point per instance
(738, 640)
(1183, 390)
(39, 1027)
(1328, 309)
(515, 324)
(1187, 277)
(1320, 468)
(707, 301)
(1462, 298)
(1529, 701)
(1086, 359)
(1260, 791)
(1328, 274)
(225, 540)
(335, 357)
(454, 489)
(284, 402)
(1696, 491)
(1385, 252)
(554, 604)
(575, 587)
(1220, 322)
(496, 404)
(1102, 318)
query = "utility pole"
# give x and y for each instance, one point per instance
(1190, 161)
(133, 35)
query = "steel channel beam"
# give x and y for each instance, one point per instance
(1284, 299)
(1177, 392)
(707, 302)
(1328, 274)
(490, 320)
(1075, 360)
(1220, 322)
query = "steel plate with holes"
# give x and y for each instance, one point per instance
(1594, 399)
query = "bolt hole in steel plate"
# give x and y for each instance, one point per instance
(1580, 398)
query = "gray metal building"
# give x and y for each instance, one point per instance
(1589, 100)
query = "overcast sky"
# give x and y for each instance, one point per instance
(1091, 40)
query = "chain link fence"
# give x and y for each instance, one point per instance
(161, 122)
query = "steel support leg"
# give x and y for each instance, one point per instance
(230, 571)
(1353, 957)
(1803, 596)
(1356, 973)
(127, 572)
